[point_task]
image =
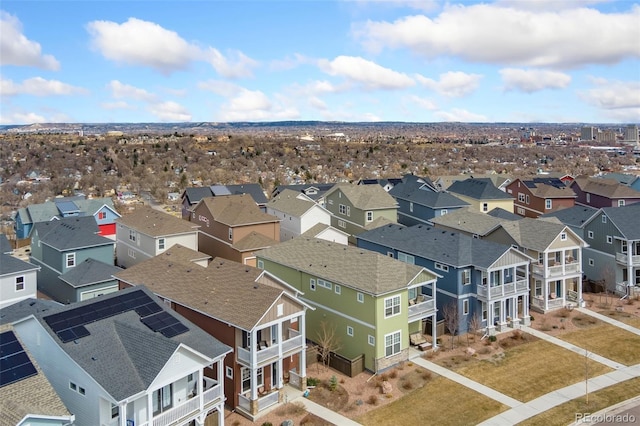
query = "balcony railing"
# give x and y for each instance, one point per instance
(503, 290)
(270, 353)
(551, 304)
(263, 402)
(624, 258)
(188, 409)
(422, 309)
(557, 270)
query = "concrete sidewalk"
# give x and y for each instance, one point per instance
(611, 321)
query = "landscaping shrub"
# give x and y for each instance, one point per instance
(426, 375)
(267, 424)
(407, 384)
(492, 339)
(393, 374)
(312, 381)
(333, 383)
(485, 350)
(373, 400)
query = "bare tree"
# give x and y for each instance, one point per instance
(473, 327)
(328, 342)
(451, 318)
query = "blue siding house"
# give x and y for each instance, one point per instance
(482, 279)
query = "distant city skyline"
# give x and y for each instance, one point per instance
(97, 61)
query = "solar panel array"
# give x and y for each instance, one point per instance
(70, 325)
(165, 323)
(15, 364)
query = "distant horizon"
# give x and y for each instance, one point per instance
(351, 61)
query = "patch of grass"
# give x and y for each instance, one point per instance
(428, 402)
(565, 413)
(332, 399)
(584, 321)
(313, 420)
(608, 341)
(625, 317)
(538, 367)
(291, 409)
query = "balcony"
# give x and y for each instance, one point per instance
(191, 408)
(508, 289)
(421, 309)
(264, 402)
(624, 259)
(557, 269)
(268, 354)
(551, 303)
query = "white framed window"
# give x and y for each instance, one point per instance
(406, 258)
(521, 197)
(604, 219)
(563, 236)
(609, 239)
(162, 399)
(312, 284)
(588, 197)
(360, 297)
(620, 203)
(161, 243)
(131, 253)
(369, 216)
(485, 207)
(70, 260)
(102, 215)
(527, 199)
(484, 311)
(246, 378)
(520, 211)
(260, 263)
(349, 331)
(20, 283)
(115, 411)
(392, 343)
(485, 278)
(348, 210)
(81, 390)
(411, 206)
(324, 284)
(548, 203)
(342, 224)
(337, 289)
(590, 234)
(538, 288)
(132, 235)
(73, 386)
(371, 340)
(465, 307)
(280, 309)
(330, 202)
(591, 262)
(441, 266)
(342, 209)
(390, 254)
(466, 277)
(392, 306)
(623, 246)
(230, 233)
(443, 212)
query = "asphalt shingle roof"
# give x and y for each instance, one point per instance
(572, 216)
(291, 202)
(236, 210)
(419, 191)
(626, 219)
(71, 233)
(254, 241)
(13, 265)
(534, 234)
(353, 267)
(89, 272)
(156, 223)
(253, 189)
(5, 246)
(470, 221)
(320, 189)
(609, 188)
(196, 194)
(44, 212)
(500, 213)
(548, 187)
(478, 189)
(366, 197)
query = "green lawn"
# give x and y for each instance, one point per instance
(608, 341)
(432, 404)
(530, 370)
(565, 413)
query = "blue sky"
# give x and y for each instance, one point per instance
(358, 60)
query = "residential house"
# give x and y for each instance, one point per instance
(419, 201)
(102, 210)
(357, 208)
(297, 213)
(26, 396)
(245, 308)
(90, 278)
(613, 255)
(500, 181)
(5, 245)
(630, 180)
(503, 214)
(535, 196)
(372, 302)
(598, 192)
(18, 280)
(61, 245)
(234, 227)
(469, 222)
(387, 184)
(315, 191)
(575, 217)
(147, 232)
(327, 233)
(478, 278)
(556, 272)
(192, 196)
(125, 358)
(481, 194)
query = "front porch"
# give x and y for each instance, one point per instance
(555, 294)
(509, 312)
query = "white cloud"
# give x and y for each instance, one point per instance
(566, 38)
(144, 43)
(424, 5)
(169, 111)
(38, 86)
(533, 80)
(290, 62)
(17, 49)
(453, 84)
(317, 103)
(254, 105)
(220, 87)
(548, 4)
(21, 118)
(125, 91)
(423, 103)
(116, 105)
(369, 74)
(613, 94)
(462, 115)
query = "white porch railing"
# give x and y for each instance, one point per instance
(244, 403)
(551, 303)
(503, 290)
(422, 309)
(557, 270)
(270, 353)
(190, 408)
(268, 400)
(294, 379)
(624, 258)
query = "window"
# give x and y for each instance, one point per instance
(349, 331)
(73, 386)
(521, 197)
(604, 219)
(466, 277)
(538, 288)
(342, 224)
(20, 283)
(563, 236)
(624, 246)
(70, 260)
(102, 215)
(527, 200)
(520, 211)
(131, 253)
(443, 212)
(260, 263)
(484, 278)
(391, 306)
(411, 206)
(338, 289)
(392, 344)
(81, 390)
(342, 209)
(324, 284)
(406, 258)
(485, 207)
(609, 239)
(369, 216)
(230, 233)
(371, 340)
(484, 311)
(591, 262)
(115, 411)
(547, 203)
(590, 234)
(312, 284)
(390, 254)
(160, 243)
(246, 379)
(620, 203)
(465, 307)
(441, 267)
(163, 399)
(132, 235)
(348, 211)
(588, 197)
(280, 309)
(360, 297)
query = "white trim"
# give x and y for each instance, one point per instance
(393, 305)
(333, 311)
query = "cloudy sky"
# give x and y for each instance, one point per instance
(269, 60)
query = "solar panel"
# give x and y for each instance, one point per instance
(15, 364)
(174, 330)
(66, 207)
(165, 323)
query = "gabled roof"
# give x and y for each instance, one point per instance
(547, 187)
(195, 194)
(626, 219)
(470, 221)
(359, 269)
(315, 191)
(623, 178)
(121, 353)
(156, 223)
(478, 189)
(44, 212)
(609, 188)
(225, 290)
(577, 216)
(421, 191)
(71, 233)
(500, 213)
(291, 202)
(31, 396)
(185, 254)
(236, 210)
(446, 181)
(366, 197)
(5, 245)
(89, 272)
(254, 241)
(451, 248)
(253, 189)
(319, 228)
(535, 234)
(10, 265)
